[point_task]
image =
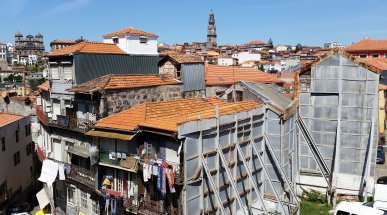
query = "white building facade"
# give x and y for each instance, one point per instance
(246, 56)
(133, 41)
(225, 61)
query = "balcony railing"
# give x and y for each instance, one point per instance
(118, 159)
(81, 175)
(71, 122)
(78, 174)
(150, 207)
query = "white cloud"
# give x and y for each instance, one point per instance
(67, 6)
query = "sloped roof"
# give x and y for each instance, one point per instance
(368, 45)
(6, 118)
(256, 42)
(380, 63)
(109, 82)
(63, 41)
(167, 115)
(45, 86)
(227, 75)
(268, 94)
(130, 31)
(359, 61)
(88, 47)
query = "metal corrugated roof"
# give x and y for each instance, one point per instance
(268, 93)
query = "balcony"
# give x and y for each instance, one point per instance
(72, 123)
(81, 175)
(78, 174)
(147, 206)
(41, 114)
(121, 160)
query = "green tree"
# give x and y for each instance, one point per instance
(18, 78)
(34, 83)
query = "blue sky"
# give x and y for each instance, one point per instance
(309, 22)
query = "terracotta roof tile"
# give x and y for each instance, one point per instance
(88, 47)
(109, 82)
(6, 118)
(256, 42)
(380, 63)
(167, 115)
(130, 31)
(228, 75)
(64, 41)
(368, 45)
(45, 86)
(186, 58)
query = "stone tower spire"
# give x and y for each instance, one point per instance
(211, 34)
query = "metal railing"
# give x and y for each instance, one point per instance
(123, 161)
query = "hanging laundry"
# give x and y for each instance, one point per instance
(152, 162)
(164, 181)
(170, 181)
(159, 176)
(107, 203)
(49, 172)
(172, 177)
(145, 171)
(149, 172)
(155, 169)
(61, 172)
(113, 206)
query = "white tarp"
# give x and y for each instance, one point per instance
(49, 172)
(61, 172)
(43, 198)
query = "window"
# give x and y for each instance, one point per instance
(385, 55)
(28, 129)
(239, 96)
(95, 208)
(71, 194)
(375, 55)
(3, 144)
(115, 40)
(363, 55)
(31, 172)
(143, 39)
(16, 158)
(17, 135)
(83, 200)
(54, 71)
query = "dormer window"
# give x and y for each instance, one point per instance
(115, 40)
(143, 39)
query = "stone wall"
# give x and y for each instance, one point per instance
(16, 106)
(216, 90)
(115, 101)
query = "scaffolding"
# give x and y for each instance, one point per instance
(243, 163)
(338, 119)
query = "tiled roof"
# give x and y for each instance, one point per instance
(64, 41)
(45, 86)
(368, 45)
(186, 58)
(167, 115)
(130, 31)
(256, 42)
(88, 47)
(109, 82)
(380, 63)
(358, 61)
(228, 75)
(6, 118)
(382, 87)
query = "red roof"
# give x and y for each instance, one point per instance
(6, 118)
(256, 42)
(130, 31)
(380, 63)
(89, 47)
(367, 45)
(109, 82)
(228, 75)
(45, 86)
(167, 115)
